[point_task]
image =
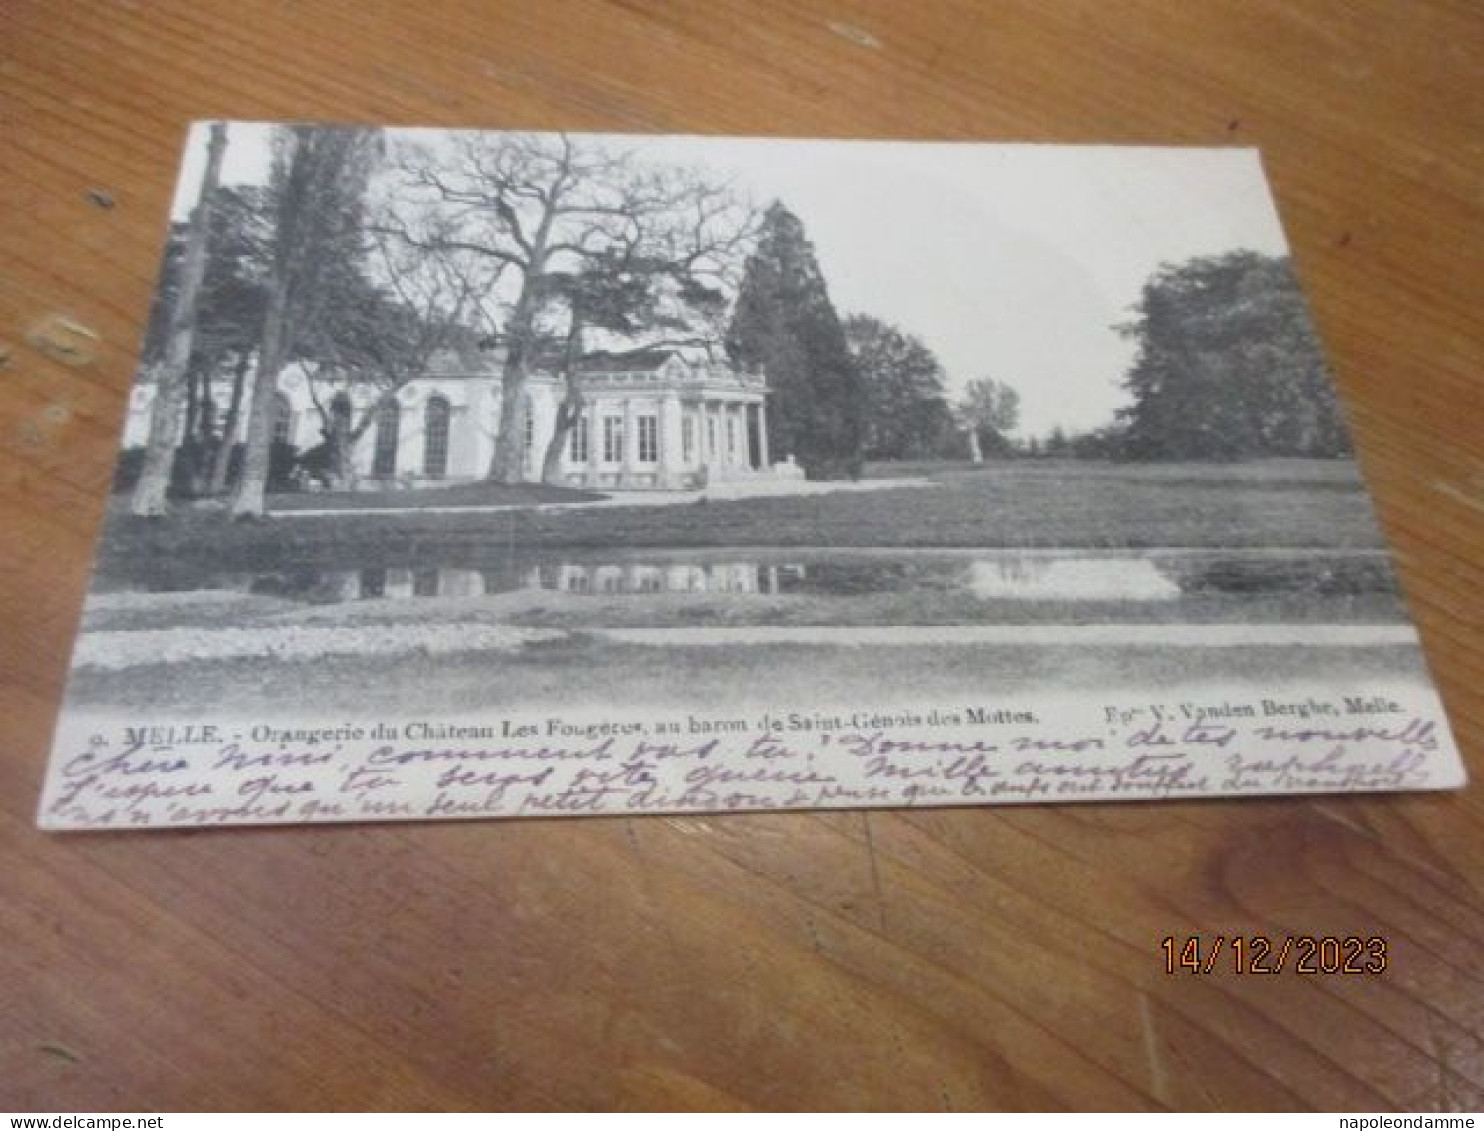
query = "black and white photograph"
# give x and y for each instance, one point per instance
(720, 442)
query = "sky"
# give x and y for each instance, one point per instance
(1014, 262)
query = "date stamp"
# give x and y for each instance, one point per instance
(1272, 954)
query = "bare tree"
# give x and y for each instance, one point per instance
(229, 322)
(554, 212)
(151, 492)
(226, 325)
(989, 410)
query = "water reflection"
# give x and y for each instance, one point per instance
(635, 577)
(990, 577)
(1072, 579)
(604, 578)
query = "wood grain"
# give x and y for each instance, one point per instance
(954, 959)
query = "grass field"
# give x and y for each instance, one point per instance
(1063, 504)
(481, 494)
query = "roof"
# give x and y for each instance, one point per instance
(547, 357)
(627, 361)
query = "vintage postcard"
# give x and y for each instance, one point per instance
(479, 474)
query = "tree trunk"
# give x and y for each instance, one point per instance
(976, 453)
(509, 462)
(568, 412)
(221, 458)
(150, 493)
(341, 472)
(248, 500)
(508, 465)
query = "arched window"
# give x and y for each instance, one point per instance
(206, 418)
(283, 420)
(435, 437)
(388, 424)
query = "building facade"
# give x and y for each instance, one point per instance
(651, 421)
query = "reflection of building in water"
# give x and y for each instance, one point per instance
(460, 583)
(562, 576)
(1071, 579)
(341, 584)
(350, 584)
(1022, 578)
(648, 577)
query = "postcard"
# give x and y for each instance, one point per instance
(485, 474)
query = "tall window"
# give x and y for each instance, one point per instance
(612, 438)
(388, 424)
(373, 583)
(435, 437)
(688, 438)
(732, 439)
(649, 439)
(581, 442)
(710, 436)
(529, 426)
(283, 420)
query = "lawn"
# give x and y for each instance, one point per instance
(1061, 504)
(481, 494)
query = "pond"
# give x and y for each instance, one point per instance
(1056, 576)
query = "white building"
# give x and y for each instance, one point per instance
(651, 421)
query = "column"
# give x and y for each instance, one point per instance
(534, 405)
(484, 428)
(762, 435)
(546, 427)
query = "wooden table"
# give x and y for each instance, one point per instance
(951, 959)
